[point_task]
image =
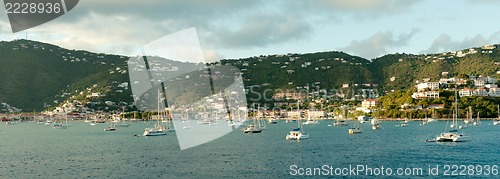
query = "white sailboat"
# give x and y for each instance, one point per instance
(340, 123)
(157, 130)
(341, 120)
(297, 133)
(272, 120)
(356, 129)
(452, 135)
(478, 120)
(61, 125)
(432, 118)
(112, 127)
(375, 123)
(497, 121)
(310, 121)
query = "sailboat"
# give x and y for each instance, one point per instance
(111, 128)
(375, 123)
(478, 120)
(497, 121)
(256, 126)
(356, 129)
(452, 135)
(61, 125)
(425, 121)
(310, 121)
(272, 120)
(157, 130)
(469, 116)
(341, 121)
(432, 118)
(297, 133)
(122, 124)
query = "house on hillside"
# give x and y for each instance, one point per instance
(465, 92)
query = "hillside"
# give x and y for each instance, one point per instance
(35, 75)
(407, 69)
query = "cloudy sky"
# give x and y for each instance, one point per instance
(244, 28)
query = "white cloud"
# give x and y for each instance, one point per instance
(446, 43)
(378, 44)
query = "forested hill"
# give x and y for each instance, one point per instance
(35, 75)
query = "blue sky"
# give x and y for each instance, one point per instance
(238, 29)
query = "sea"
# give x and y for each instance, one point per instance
(28, 150)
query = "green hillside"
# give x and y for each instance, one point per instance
(34, 75)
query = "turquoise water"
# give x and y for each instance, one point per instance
(29, 150)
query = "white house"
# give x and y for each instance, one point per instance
(465, 92)
(425, 94)
(480, 92)
(495, 92)
(367, 103)
(431, 85)
(479, 82)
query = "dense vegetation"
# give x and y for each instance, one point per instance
(33, 74)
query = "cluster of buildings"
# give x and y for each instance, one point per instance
(475, 86)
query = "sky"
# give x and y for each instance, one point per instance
(243, 28)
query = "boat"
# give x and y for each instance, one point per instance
(403, 124)
(123, 125)
(110, 129)
(256, 127)
(252, 129)
(432, 118)
(478, 120)
(497, 120)
(363, 119)
(297, 133)
(153, 132)
(158, 129)
(356, 129)
(272, 121)
(341, 119)
(375, 123)
(310, 121)
(452, 135)
(469, 118)
(340, 123)
(425, 121)
(61, 125)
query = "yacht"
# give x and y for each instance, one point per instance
(154, 132)
(452, 135)
(497, 121)
(356, 129)
(375, 123)
(340, 123)
(297, 134)
(252, 129)
(272, 121)
(158, 129)
(404, 124)
(309, 120)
